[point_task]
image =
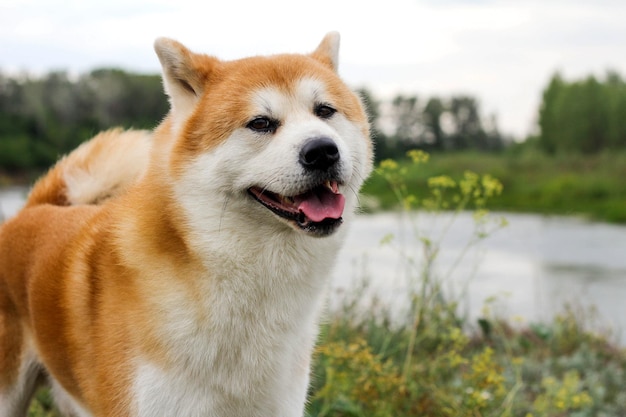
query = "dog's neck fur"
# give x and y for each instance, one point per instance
(241, 324)
(283, 274)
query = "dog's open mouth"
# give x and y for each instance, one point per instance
(317, 211)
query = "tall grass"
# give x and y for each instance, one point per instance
(589, 185)
(434, 363)
(558, 369)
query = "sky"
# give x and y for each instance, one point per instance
(502, 52)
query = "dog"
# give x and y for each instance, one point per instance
(182, 272)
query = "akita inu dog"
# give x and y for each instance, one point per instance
(182, 272)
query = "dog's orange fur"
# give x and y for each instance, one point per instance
(73, 278)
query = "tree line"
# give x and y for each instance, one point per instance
(434, 124)
(583, 116)
(44, 117)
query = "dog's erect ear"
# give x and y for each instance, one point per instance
(328, 50)
(185, 74)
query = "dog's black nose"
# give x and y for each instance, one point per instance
(319, 153)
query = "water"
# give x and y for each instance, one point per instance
(528, 271)
(11, 200)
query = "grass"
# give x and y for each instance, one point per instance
(590, 186)
(558, 369)
(432, 362)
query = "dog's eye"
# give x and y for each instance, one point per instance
(324, 111)
(263, 125)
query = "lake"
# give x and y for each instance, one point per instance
(528, 271)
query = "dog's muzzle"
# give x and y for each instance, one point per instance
(317, 210)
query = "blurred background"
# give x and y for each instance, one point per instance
(446, 75)
(530, 92)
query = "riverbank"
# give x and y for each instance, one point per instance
(571, 185)
(367, 367)
(591, 186)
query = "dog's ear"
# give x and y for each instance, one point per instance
(185, 74)
(328, 50)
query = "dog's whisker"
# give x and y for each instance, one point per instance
(356, 193)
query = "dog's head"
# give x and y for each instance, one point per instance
(278, 139)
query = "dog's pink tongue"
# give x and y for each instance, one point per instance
(321, 204)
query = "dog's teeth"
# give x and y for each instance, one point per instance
(332, 186)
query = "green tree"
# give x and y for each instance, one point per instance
(44, 117)
(584, 116)
(616, 108)
(407, 118)
(468, 130)
(549, 113)
(433, 113)
(439, 125)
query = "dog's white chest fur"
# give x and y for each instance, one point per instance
(239, 382)
(251, 357)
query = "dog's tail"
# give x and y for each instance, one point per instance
(97, 170)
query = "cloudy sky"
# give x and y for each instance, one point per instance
(502, 52)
